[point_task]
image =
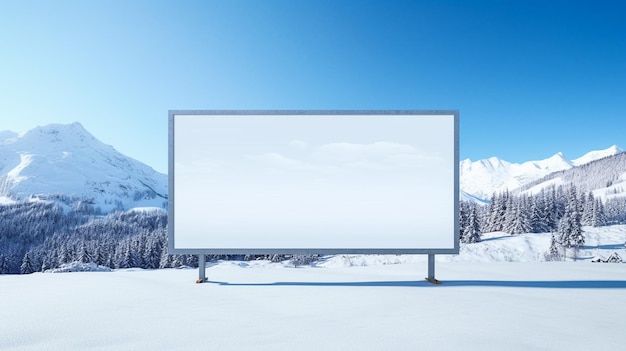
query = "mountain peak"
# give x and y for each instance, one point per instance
(558, 157)
(557, 162)
(616, 149)
(55, 138)
(65, 159)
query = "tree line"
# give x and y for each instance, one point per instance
(40, 235)
(561, 210)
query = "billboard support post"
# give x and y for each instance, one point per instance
(201, 269)
(431, 270)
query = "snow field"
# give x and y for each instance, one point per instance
(273, 306)
(345, 302)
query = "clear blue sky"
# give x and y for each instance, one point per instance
(530, 78)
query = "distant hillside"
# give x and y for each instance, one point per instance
(606, 177)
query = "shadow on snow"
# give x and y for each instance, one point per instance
(548, 284)
(605, 247)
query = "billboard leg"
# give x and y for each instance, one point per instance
(201, 269)
(431, 270)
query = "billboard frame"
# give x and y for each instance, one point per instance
(322, 251)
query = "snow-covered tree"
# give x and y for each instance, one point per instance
(537, 217)
(553, 252)
(598, 218)
(570, 229)
(26, 267)
(463, 214)
(166, 260)
(84, 255)
(124, 256)
(497, 212)
(152, 252)
(471, 232)
(517, 219)
(615, 210)
(100, 256)
(178, 261)
(4, 264)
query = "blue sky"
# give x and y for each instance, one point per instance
(530, 78)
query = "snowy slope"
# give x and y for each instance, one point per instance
(503, 247)
(484, 177)
(67, 160)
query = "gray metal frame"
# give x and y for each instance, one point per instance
(430, 252)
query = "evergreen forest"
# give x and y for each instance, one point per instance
(44, 234)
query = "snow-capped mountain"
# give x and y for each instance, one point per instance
(482, 178)
(67, 160)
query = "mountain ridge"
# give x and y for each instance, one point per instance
(65, 159)
(480, 179)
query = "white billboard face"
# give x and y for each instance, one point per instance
(313, 182)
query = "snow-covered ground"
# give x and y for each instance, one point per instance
(340, 303)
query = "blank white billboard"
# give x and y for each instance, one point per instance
(313, 182)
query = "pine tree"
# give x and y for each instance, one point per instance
(125, 258)
(471, 232)
(497, 212)
(4, 264)
(64, 255)
(570, 229)
(537, 219)
(109, 262)
(152, 253)
(553, 253)
(518, 221)
(179, 261)
(26, 267)
(192, 261)
(137, 250)
(166, 260)
(509, 216)
(560, 200)
(599, 218)
(588, 210)
(83, 254)
(550, 211)
(463, 212)
(100, 258)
